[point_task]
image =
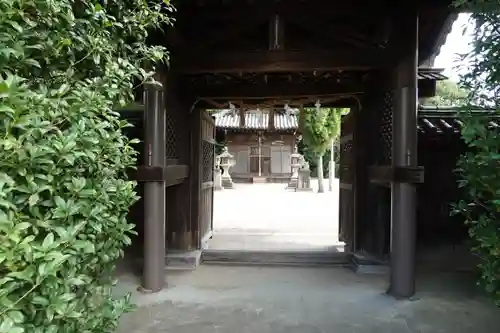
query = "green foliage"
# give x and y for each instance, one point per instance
(479, 168)
(311, 158)
(480, 205)
(448, 93)
(64, 195)
(320, 127)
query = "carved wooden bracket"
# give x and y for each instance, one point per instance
(390, 174)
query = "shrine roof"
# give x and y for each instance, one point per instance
(431, 119)
(442, 120)
(256, 121)
(431, 74)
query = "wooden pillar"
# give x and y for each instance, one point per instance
(302, 119)
(361, 141)
(195, 177)
(242, 116)
(404, 156)
(154, 191)
(270, 121)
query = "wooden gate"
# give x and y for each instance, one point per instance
(347, 181)
(206, 172)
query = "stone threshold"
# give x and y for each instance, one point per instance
(359, 263)
(190, 260)
(279, 258)
(176, 260)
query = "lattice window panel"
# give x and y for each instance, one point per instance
(347, 147)
(346, 161)
(207, 161)
(385, 129)
(171, 137)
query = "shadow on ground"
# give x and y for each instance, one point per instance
(227, 299)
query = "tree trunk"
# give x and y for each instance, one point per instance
(319, 169)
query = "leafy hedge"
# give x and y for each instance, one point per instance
(64, 195)
(479, 168)
(480, 205)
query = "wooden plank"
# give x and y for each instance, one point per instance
(222, 103)
(346, 138)
(171, 174)
(195, 176)
(345, 186)
(176, 174)
(275, 90)
(364, 9)
(397, 174)
(280, 61)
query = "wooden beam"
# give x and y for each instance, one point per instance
(223, 103)
(290, 90)
(272, 91)
(313, 8)
(279, 61)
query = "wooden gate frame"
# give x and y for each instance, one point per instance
(347, 181)
(202, 178)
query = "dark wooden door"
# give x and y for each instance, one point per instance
(347, 181)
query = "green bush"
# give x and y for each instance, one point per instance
(64, 194)
(311, 158)
(480, 206)
(479, 168)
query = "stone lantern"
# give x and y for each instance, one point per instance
(226, 161)
(217, 174)
(296, 161)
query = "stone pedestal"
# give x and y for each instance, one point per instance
(293, 183)
(226, 180)
(218, 179)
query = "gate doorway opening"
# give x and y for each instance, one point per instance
(268, 217)
(261, 209)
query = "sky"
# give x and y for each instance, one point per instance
(456, 43)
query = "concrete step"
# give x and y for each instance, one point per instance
(259, 180)
(174, 261)
(276, 258)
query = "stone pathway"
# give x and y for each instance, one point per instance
(268, 217)
(224, 299)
